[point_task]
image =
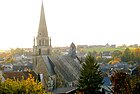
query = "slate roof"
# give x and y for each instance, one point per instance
(67, 67)
(106, 81)
(49, 65)
(65, 90)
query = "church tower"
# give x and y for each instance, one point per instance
(43, 46)
(72, 51)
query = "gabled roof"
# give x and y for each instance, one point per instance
(49, 65)
(72, 45)
(67, 67)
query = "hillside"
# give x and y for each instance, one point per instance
(101, 49)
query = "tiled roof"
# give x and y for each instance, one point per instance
(18, 75)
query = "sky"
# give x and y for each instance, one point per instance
(84, 22)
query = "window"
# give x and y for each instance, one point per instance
(43, 42)
(39, 42)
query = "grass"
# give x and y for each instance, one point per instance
(101, 49)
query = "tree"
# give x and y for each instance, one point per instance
(127, 55)
(9, 59)
(121, 83)
(125, 84)
(117, 54)
(94, 53)
(137, 54)
(90, 79)
(99, 59)
(115, 60)
(28, 86)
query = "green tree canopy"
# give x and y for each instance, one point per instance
(116, 53)
(90, 79)
(127, 55)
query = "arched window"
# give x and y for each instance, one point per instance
(46, 42)
(39, 42)
(39, 51)
(43, 42)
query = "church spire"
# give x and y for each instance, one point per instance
(42, 37)
(42, 32)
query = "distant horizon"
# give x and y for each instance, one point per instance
(69, 46)
(80, 21)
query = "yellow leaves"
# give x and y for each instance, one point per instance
(11, 85)
(28, 86)
(115, 60)
(31, 85)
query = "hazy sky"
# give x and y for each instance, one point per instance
(79, 21)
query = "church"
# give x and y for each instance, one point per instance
(43, 41)
(55, 71)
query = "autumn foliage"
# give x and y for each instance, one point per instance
(115, 60)
(125, 84)
(28, 86)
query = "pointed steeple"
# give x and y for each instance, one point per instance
(42, 37)
(42, 31)
(43, 46)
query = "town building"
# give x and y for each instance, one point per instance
(42, 43)
(55, 70)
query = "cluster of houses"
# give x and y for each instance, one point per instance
(16, 67)
(22, 63)
(20, 66)
(68, 66)
(59, 73)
